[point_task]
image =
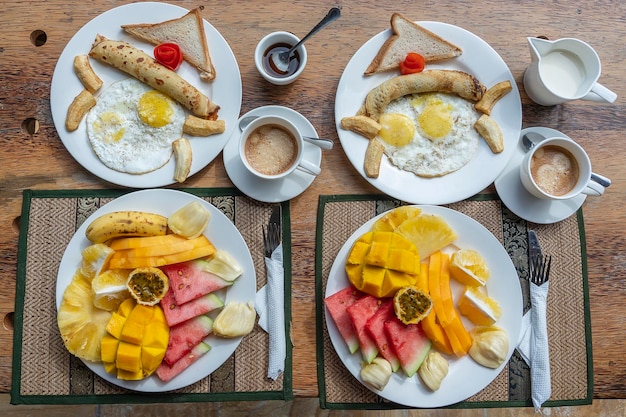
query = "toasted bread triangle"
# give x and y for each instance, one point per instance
(187, 32)
(410, 37)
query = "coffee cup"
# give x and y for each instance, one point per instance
(564, 70)
(271, 147)
(558, 169)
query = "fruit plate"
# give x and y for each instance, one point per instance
(465, 377)
(224, 236)
(225, 90)
(478, 59)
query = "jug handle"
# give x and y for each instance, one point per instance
(600, 93)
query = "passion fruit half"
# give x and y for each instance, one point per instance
(411, 305)
(147, 285)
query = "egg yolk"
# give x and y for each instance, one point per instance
(435, 119)
(113, 126)
(154, 109)
(396, 129)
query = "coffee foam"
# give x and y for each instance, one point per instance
(554, 170)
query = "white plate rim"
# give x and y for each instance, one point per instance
(478, 59)
(272, 191)
(504, 286)
(225, 90)
(222, 233)
(523, 204)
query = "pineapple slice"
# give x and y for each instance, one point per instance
(394, 218)
(428, 232)
(81, 324)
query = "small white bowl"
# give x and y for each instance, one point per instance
(272, 39)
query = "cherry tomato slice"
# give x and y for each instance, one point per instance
(413, 63)
(168, 55)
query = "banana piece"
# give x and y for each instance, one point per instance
(182, 155)
(125, 224)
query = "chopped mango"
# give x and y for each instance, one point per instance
(128, 357)
(135, 345)
(108, 348)
(380, 263)
(126, 307)
(115, 325)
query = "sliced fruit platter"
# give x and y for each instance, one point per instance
(152, 283)
(423, 306)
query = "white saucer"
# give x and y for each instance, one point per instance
(521, 202)
(271, 191)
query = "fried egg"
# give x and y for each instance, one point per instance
(429, 134)
(131, 128)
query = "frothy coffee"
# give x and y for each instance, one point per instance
(554, 170)
(271, 149)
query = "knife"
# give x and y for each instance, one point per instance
(534, 248)
(275, 218)
(539, 352)
(275, 301)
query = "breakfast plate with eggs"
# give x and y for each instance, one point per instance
(465, 376)
(421, 170)
(223, 235)
(148, 161)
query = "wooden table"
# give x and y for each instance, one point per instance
(33, 35)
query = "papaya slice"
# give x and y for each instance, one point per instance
(430, 325)
(123, 259)
(124, 243)
(452, 315)
(434, 286)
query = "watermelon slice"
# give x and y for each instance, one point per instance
(178, 313)
(166, 372)
(337, 305)
(359, 313)
(375, 327)
(186, 335)
(189, 280)
(410, 344)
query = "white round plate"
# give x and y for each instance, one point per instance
(225, 90)
(272, 191)
(478, 59)
(465, 377)
(224, 236)
(520, 201)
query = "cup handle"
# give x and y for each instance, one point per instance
(600, 93)
(308, 167)
(593, 189)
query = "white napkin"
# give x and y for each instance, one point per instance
(270, 306)
(533, 345)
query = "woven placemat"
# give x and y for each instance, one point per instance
(45, 373)
(568, 313)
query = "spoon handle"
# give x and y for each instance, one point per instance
(332, 14)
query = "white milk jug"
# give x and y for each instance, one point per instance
(564, 70)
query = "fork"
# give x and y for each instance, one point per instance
(271, 238)
(540, 269)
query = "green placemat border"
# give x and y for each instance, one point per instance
(285, 394)
(319, 311)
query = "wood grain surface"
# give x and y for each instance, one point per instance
(40, 161)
